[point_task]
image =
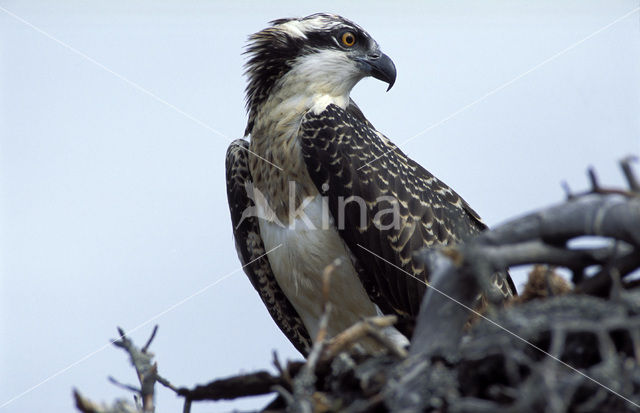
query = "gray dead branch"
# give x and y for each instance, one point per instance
(559, 347)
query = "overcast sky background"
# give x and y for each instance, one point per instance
(112, 204)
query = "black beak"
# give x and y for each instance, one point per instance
(380, 66)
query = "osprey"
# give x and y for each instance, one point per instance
(317, 182)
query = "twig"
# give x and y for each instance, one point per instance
(625, 163)
(285, 394)
(153, 335)
(87, 406)
(429, 376)
(243, 385)
(284, 372)
(304, 382)
(187, 406)
(600, 283)
(567, 190)
(128, 387)
(595, 187)
(166, 383)
(386, 342)
(146, 372)
(366, 327)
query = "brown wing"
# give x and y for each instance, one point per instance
(346, 156)
(251, 251)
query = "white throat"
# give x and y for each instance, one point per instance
(314, 82)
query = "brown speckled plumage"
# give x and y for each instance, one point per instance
(340, 149)
(306, 130)
(251, 249)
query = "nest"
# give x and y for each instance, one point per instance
(559, 347)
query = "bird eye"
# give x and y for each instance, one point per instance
(348, 39)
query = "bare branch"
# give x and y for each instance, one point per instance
(128, 387)
(153, 335)
(87, 406)
(571, 348)
(244, 385)
(367, 327)
(141, 361)
(595, 187)
(625, 163)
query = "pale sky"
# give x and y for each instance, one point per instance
(114, 122)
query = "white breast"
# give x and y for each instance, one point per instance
(298, 265)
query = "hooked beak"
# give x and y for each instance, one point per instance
(380, 66)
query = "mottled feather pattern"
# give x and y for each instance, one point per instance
(273, 52)
(250, 247)
(340, 149)
(307, 135)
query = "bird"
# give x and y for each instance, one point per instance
(316, 184)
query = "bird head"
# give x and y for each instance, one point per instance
(318, 54)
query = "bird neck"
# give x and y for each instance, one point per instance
(274, 138)
(297, 93)
(317, 80)
(310, 83)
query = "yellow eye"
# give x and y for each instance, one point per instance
(348, 39)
